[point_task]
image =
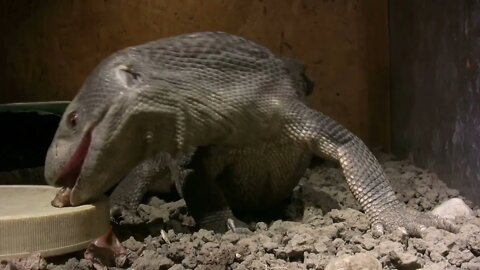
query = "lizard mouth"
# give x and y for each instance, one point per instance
(70, 174)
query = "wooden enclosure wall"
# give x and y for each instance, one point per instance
(435, 67)
(49, 46)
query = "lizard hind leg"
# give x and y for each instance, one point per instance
(205, 199)
(364, 174)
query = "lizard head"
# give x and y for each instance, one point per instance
(101, 135)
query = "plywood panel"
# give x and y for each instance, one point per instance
(436, 88)
(50, 46)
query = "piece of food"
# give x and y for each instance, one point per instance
(62, 198)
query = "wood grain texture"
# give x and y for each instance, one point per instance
(49, 46)
(436, 89)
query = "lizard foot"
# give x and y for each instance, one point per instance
(222, 221)
(409, 222)
(121, 214)
(106, 251)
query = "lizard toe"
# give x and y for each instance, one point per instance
(377, 229)
(409, 221)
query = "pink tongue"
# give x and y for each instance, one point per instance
(72, 170)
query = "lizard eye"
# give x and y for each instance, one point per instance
(72, 118)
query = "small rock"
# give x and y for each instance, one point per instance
(151, 213)
(279, 226)
(418, 244)
(207, 253)
(386, 246)
(226, 253)
(33, 262)
(332, 231)
(354, 262)
(475, 260)
(246, 246)
(473, 244)
(452, 192)
(155, 201)
(404, 260)
(257, 264)
(190, 261)
(132, 244)
(298, 244)
(436, 257)
(151, 243)
(150, 260)
(296, 251)
(438, 243)
(452, 208)
(205, 235)
(315, 261)
(338, 242)
(270, 246)
(261, 226)
(457, 257)
(320, 247)
(437, 266)
(177, 267)
(471, 266)
(343, 215)
(367, 243)
(230, 237)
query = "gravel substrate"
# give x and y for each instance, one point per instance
(320, 228)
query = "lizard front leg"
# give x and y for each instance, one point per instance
(365, 176)
(154, 174)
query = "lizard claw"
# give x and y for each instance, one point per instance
(237, 227)
(223, 221)
(409, 222)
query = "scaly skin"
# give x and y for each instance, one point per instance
(156, 174)
(236, 107)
